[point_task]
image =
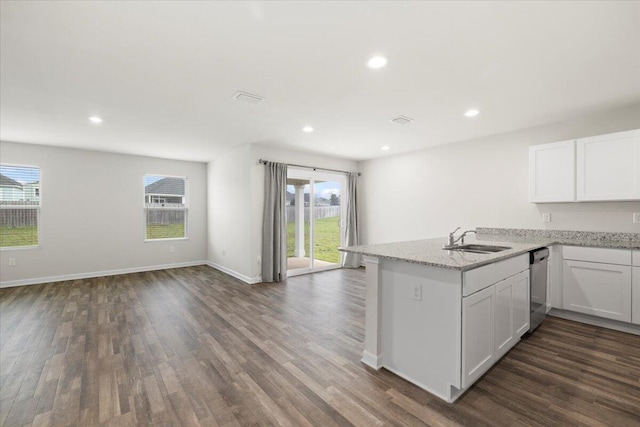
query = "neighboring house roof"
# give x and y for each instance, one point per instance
(5, 181)
(168, 186)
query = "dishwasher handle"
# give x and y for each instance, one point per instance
(538, 256)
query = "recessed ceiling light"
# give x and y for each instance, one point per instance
(307, 129)
(471, 113)
(95, 119)
(385, 147)
(377, 62)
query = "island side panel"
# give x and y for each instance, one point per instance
(371, 356)
(421, 337)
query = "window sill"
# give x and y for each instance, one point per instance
(173, 239)
(18, 248)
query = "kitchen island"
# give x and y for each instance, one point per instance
(440, 318)
(433, 316)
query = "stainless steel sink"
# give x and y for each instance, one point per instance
(476, 248)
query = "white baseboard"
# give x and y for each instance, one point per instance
(371, 360)
(240, 276)
(616, 325)
(89, 275)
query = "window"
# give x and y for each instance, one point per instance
(165, 205)
(19, 206)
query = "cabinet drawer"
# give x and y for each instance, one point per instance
(602, 255)
(481, 277)
(636, 258)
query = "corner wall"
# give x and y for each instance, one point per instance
(229, 213)
(482, 182)
(92, 215)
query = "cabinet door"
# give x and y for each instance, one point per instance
(608, 167)
(598, 289)
(478, 350)
(521, 306)
(503, 321)
(635, 293)
(552, 172)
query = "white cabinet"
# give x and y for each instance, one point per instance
(597, 168)
(503, 321)
(493, 320)
(521, 306)
(635, 293)
(598, 289)
(478, 352)
(552, 172)
(608, 167)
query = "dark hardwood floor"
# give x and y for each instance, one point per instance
(193, 346)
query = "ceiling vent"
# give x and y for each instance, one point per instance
(248, 97)
(402, 120)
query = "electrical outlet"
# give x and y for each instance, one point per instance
(172, 249)
(224, 252)
(546, 217)
(416, 292)
(636, 217)
(12, 262)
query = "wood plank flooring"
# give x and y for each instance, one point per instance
(195, 347)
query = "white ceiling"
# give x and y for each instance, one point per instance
(162, 74)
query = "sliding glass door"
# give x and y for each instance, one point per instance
(314, 220)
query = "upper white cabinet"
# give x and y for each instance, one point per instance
(598, 168)
(608, 167)
(552, 172)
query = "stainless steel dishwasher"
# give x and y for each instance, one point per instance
(538, 286)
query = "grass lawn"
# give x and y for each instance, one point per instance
(22, 236)
(171, 231)
(327, 236)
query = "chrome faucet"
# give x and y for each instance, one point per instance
(452, 240)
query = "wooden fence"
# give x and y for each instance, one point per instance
(165, 216)
(18, 217)
(319, 212)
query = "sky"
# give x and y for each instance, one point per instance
(323, 189)
(22, 174)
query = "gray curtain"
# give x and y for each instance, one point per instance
(274, 228)
(351, 229)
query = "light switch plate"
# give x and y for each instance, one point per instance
(636, 217)
(546, 217)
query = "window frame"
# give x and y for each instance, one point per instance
(185, 208)
(37, 208)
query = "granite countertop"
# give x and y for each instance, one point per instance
(430, 252)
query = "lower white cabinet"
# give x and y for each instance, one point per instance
(503, 326)
(478, 352)
(598, 289)
(521, 304)
(493, 320)
(635, 293)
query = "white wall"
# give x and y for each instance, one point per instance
(92, 218)
(229, 212)
(482, 182)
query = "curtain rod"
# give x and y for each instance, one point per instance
(264, 162)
